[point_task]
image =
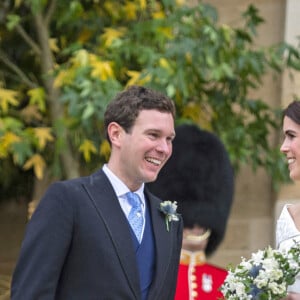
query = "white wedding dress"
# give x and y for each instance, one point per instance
(286, 235)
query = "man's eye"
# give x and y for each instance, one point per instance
(154, 135)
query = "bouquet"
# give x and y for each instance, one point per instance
(265, 276)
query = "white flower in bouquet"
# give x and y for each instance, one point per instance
(265, 276)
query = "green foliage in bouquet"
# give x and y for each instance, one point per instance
(265, 276)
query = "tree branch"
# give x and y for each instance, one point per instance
(50, 12)
(4, 58)
(69, 162)
(28, 39)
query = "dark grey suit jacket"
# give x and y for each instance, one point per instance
(78, 246)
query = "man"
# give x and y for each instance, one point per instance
(79, 243)
(200, 178)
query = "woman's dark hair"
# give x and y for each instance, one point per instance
(293, 111)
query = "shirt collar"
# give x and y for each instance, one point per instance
(119, 186)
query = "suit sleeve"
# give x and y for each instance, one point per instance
(44, 247)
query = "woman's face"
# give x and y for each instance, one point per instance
(291, 146)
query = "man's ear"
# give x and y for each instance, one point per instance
(115, 132)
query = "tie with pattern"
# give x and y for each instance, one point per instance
(135, 217)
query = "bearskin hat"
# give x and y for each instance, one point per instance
(199, 177)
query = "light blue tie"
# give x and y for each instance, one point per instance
(135, 217)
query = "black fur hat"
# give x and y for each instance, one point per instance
(199, 177)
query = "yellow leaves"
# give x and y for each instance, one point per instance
(7, 97)
(64, 77)
(201, 115)
(102, 69)
(110, 34)
(9, 138)
(136, 78)
(37, 104)
(53, 45)
(130, 10)
(43, 136)
(18, 3)
(37, 163)
(166, 31)
(81, 58)
(166, 65)
(6, 141)
(105, 149)
(159, 12)
(143, 4)
(87, 148)
(84, 35)
(180, 2)
(37, 96)
(188, 58)
(113, 9)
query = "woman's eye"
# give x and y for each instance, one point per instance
(290, 135)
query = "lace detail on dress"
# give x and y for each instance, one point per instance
(286, 235)
(285, 228)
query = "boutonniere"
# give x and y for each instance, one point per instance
(169, 209)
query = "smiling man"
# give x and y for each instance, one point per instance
(103, 236)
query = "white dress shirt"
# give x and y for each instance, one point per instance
(121, 190)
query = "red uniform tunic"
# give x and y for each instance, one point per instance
(198, 279)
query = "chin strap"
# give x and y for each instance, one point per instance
(198, 238)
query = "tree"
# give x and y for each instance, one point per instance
(62, 61)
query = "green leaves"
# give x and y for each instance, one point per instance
(209, 69)
(12, 21)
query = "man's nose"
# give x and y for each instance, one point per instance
(164, 146)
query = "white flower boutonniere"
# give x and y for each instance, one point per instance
(266, 275)
(169, 209)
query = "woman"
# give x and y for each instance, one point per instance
(288, 224)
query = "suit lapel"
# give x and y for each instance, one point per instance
(163, 245)
(107, 205)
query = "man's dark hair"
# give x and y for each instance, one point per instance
(126, 106)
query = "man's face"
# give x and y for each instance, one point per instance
(147, 147)
(291, 146)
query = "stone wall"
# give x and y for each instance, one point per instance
(256, 206)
